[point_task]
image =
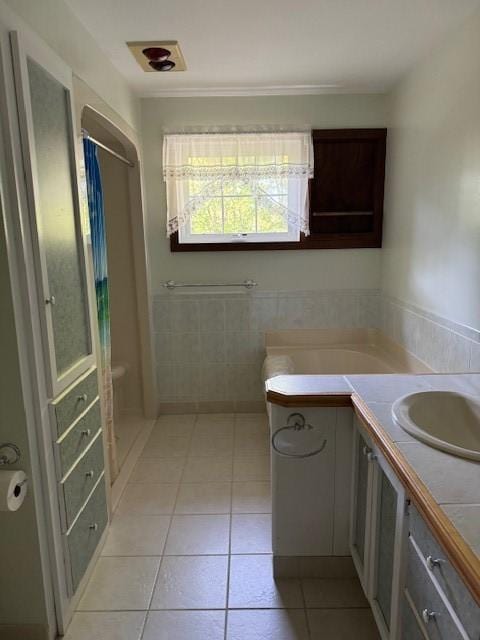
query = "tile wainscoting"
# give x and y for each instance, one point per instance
(210, 346)
(443, 345)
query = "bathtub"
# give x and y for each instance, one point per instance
(335, 352)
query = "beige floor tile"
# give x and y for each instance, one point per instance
(158, 470)
(191, 582)
(204, 497)
(198, 535)
(211, 446)
(270, 624)
(208, 470)
(252, 586)
(114, 625)
(251, 497)
(185, 625)
(147, 499)
(176, 425)
(216, 429)
(252, 426)
(260, 419)
(333, 593)
(120, 584)
(160, 445)
(215, 418)
(342, 624)
(251, 533)
(255, 468)
(135, 535)
(251, 444)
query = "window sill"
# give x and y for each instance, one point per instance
(334, 241)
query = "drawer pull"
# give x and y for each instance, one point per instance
(86, 432)
(51, 300)
(90, 473)
(433, 562)
(82, 398)
(366, 450)
(428, 615)
(94, 527)
(371, 457)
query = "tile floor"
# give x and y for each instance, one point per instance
(188, 554)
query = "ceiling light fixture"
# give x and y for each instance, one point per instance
(156, 53)
(158, 56)
(162, 65)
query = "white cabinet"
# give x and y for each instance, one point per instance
(378, 532)
(44, 100)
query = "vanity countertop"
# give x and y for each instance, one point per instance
(445, 488)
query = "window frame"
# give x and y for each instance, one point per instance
(320, 241)
(185, 237)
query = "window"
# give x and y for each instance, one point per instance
(237, 188)
(241, 210)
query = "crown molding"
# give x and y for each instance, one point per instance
(267, 90)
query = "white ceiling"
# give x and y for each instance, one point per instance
(273, 46)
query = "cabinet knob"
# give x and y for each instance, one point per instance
(428, 615)
(371, 457)
(366, 450)
(433, 562)
(90, 473)
(94, 526)
(50, 300)
(86, 432)
(82, 398)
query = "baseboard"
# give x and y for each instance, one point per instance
(313, 567)
(130, 462)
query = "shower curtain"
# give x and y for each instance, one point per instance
(99, 248)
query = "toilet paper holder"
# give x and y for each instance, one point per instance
(9, 454)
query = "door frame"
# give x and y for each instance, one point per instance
(139, 253)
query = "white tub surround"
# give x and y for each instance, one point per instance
(335, 351)
(445, 489)
(317, 525)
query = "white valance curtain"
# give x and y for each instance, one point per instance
(209, 158)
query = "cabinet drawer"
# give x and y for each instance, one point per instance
(72, 403)
(452, 585)
(82, 479)
(410, 627)
(75, 442)
(426, 598)
(85, 535)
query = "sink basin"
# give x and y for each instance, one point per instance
(445, 420)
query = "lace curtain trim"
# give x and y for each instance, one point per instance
(188, 172)
(293, 218)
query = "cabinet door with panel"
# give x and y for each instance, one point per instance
(378, 532)
(44, 100)
(360, 516)
(387, 546)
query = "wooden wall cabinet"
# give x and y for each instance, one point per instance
(346, 192)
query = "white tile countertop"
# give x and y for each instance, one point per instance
(452, 483)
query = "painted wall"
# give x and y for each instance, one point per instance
(431, 255)
(55, 23)
(22, 601)
(287, 270)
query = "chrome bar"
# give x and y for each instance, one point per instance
(113, 153)
(248, 284)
